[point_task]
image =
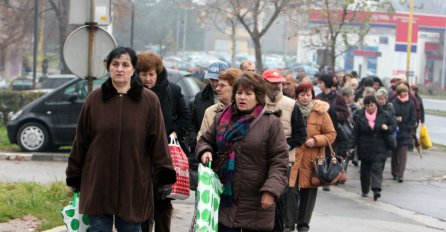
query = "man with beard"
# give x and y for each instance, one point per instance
(295, 133)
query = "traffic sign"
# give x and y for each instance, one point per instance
(75, 51)
(80, 12)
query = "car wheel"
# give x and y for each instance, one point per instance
(33, 137)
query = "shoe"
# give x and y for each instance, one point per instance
(363, 194)
(400, 180)
(326, 188)
(355, 162)
(395, 178)
(376, 195)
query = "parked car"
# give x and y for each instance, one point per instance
(21, 83)
(52, 82)
(50, 121)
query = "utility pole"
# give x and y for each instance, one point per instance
(184, 34)
(409, 40)
(36, 40)
(132, 26)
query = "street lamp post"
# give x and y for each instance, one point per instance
(132, 23)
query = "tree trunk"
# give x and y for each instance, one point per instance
(234, 45)
(258, 52)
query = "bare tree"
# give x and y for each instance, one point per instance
(61, 9)
(221, 16)
(257, 16)
(346, 23)
(14, 24)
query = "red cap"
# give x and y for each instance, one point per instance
(273, 75)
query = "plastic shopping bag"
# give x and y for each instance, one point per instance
(425, 140)
(208, 199)
(180, 190)
(74, 221)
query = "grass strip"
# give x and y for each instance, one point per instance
(43, 201)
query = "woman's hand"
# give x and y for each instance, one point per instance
(206, 157)
(399, 119)
(384, 127)
(310, 142)
(267, 200)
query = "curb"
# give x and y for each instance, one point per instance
(17, 156)
(57, 229)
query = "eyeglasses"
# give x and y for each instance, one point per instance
(221, 85)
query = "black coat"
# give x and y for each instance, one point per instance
(407, 126)
(203, 100)
(182, 121)
(370, 142)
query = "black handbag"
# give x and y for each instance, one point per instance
(390, 141)
(328, 170)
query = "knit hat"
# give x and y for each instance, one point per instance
(215, 69)
(273, 75)
(303, 88)
(327, 79)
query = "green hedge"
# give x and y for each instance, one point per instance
(12, 101)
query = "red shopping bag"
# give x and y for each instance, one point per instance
(180, 190)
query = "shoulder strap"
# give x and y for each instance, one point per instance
(169, 95)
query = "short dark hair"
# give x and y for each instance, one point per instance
(148, 61)
(253, 82)
(327, 79)
(119, 51)
(370, 99)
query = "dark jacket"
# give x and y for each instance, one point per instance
(119, 151)
(389, 109)
(181, 123)
(260, 166)
(412, 99)
(202, 101)
(421, 106)
(370, 143)
(338, 113)
(407, 127)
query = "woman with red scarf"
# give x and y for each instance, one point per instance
(248, 150)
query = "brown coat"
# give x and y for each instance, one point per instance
(119, 150)
(319, 127)
(260, 166)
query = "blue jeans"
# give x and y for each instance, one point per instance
(104, 223)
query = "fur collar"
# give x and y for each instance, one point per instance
(135, 91)
(320, 106)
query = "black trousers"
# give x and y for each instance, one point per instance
(287, 207)
(306, 207)
(371, 173)
(162, 217)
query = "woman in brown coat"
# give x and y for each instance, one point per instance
(320, 133)
(119, 150)
(250, 145)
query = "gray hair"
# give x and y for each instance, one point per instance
(368, 91)
(347, 91)
(381, 93)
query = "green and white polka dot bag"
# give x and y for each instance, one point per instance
(208, 199)
(74, 221)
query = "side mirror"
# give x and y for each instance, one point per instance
(73, 97)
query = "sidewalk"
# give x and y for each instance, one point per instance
(343, 209)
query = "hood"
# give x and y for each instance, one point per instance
(320, 106)
(161, 81)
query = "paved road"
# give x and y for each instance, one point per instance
(434, 104)
(417, 205)
(436, 126)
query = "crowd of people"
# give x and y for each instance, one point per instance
(261, 130)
